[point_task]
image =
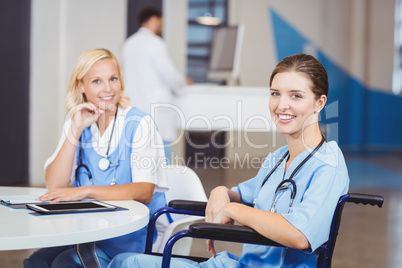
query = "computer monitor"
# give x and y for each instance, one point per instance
(224, 63)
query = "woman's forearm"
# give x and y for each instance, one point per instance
(271, 225)
(58, 173)
(219, 197)
(139, 191)
(222, 191)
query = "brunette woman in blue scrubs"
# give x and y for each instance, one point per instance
(293, 197)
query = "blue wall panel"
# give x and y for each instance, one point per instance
(364, 118)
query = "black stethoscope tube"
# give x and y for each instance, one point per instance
(290, 180)
(81, 165)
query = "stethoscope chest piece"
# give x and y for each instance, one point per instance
(104, 164)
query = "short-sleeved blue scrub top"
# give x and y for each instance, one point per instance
(320, 182)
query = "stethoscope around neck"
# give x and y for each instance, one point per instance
(103, 164)
(281, 188)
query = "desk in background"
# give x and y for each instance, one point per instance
(241, 112)
(224, 107)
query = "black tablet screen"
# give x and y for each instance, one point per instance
(68, 206)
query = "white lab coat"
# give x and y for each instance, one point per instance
(151, 79)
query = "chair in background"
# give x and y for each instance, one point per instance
(185, 184)
(243, 234)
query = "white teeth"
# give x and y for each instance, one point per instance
(106, 98)
(285, 117)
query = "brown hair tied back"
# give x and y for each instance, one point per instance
(307, 65)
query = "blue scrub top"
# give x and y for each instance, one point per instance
(320, 182)
(133, 242)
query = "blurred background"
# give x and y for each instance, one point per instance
(358, 41)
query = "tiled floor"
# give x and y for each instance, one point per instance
(369, 236)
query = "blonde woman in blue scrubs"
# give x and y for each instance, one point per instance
(293, 197)
(99, 153)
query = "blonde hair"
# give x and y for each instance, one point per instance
(82, 66)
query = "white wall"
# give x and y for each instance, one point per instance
(381, 44)
(355, 34)
(44, 85)
(259, 54)
(61, 30)
(175, 31)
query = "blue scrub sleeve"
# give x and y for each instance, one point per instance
(249, 189)
(314, 214)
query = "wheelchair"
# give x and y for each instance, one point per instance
(243, 234)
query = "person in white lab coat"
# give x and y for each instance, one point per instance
(151, 78)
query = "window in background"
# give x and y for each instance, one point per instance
(203, 17)
(397, 75)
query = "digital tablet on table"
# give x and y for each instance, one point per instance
(70, 207)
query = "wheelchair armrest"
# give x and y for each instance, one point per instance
(188, 205)
(374, 200)
(184, 207)
(229, 232)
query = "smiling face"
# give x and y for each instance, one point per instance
(101, 85)
(292, 103)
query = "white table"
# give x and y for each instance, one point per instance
(20, 230)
